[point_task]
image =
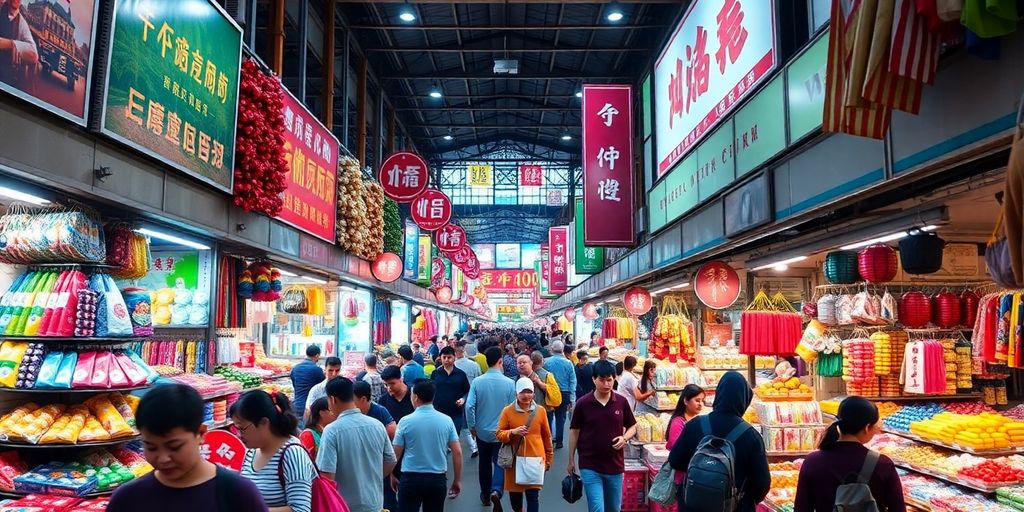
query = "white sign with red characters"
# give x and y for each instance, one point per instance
(431, 210)
(721, 51)
(387, 268)
(450, 238)
(404, 176)
(637, 301)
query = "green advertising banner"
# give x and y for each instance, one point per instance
(172, 85)
(656, 206)
(716, 167)
(759, 134)
(589, 260)
(806, 79)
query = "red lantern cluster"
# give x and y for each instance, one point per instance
(969, 302)
(946, 310)
(915, 310)
(260, 165)
(877, 263)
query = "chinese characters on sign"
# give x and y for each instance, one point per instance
(558, 241)
(387, 268)
(403, 176)
(721, 51)
(431, 210)
(311, 151)
(450, 238)
(716, 284)
(589, 259)
(480, 175)
(508, 280)
(637, 301)
(223, 448)
(608, 165)
(531, 175)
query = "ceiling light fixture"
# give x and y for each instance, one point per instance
(579, 94)
(18, 195)
(407, 14)
(173, 239)
(567, 137)
(314, 280)
(435, 91)
(684, 285)
(614, 13)
(779, 264)
(887, 238)
(287, 273)
(448, 136)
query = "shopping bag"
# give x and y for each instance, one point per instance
(119, 323)
(529, 470)
(663, 488)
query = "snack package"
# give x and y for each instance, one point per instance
(117, 377)
(62, 322)
(12, 418)
(101, 370)
(792, 439)
(55, 480)
(11, 354)
(67, 427)
(84, 369)
(85, 316)
(35, 313)
(125, 410)
(134, 376)
(11, 466)
(28, 371)
(41, 503)
(133, 402)
(108, 416)
(57, 296)
(93, 431)
(21, 305)
(32, 427)
(132, 460)
(8, 298)
(48, 370)
(151, 374)
(67, 370)
(139, 310)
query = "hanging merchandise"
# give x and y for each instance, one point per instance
(946, 309)
(969, 302)
(924, 368)
(830, 357)
(617, 325)
(127, 251)
(260, 282)
(381, 322)
(393, 228)
(373, 246)
(811, 342)
(962, 348)
(54, 235)
(673, 337)
(770, 326)
(890, 309)
(915, 309)
(260, 165)
(858, 358)
(294, 301)
(882, 343)
(877, 263)
(921, 252)
(360, 219)
(230, 308)
(189, 355)
(45, 303)
(841, 267)
(827, 310)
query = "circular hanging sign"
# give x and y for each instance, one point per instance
(436, 273)
(431, 210)
(387, 268)
(461, 256)
(590, 311)
(637, 300)
(450, 238)
(570, 313)
(716, 284)
(473, 272)
(472, 263)
(224, 449)
(444, 295)
(403, 176)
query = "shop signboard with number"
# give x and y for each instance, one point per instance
(311, 150)
(501, 281)
(531, 175)
(431, 210)
(589, 259)
(404, 176)
(720, 52)
(558, 245)
(172, 85)
(608, 165)
(716, 284)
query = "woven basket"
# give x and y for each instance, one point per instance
(915, 310)
(877, 263)
(946, 309)
(827, 309)
(921, 253)
(841, 267)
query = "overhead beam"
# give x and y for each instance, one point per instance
(495, 126)
(510, 1)
(503, 27)
(495, 49)
(488, 74)
(462, 108)
(491, 97)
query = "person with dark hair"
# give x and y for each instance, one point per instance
(595, 338)
(417, 354)
(508, 362)
(304, 376)
(627, 382)
(170, 419)
(332, 368)
(602, 424)
(488, 396)
(275, 460)
(452, 388)
(398, 402)
(565, 376)
(423, 441)
(602, 353)
(469, 366)
(569, 350)
(584, 373)
(372, 376)
(689, 406)
(319, 416)
(841, 455)
(732, 398)
(433, 350)
(363, 401)
(355, 452)
(412, 371)
(647, 388)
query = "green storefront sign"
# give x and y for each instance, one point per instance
(589, 260)
(759, 134)
(806, 79)
(172, 85)
(716, 167)
(656, 207)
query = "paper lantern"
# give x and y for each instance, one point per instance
(444, 295)
(877, 263)
(915, 310)
(969, 302)
(590, 311)
(570, 314)
(921, 253)
(841, 267)
(946, 309)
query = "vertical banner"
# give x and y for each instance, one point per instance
(311, 150)
(608, 165)
(545, 272)
(424, 266)
(589, 260)
(558, 245)
(481, 175)
(412, 252)
(531, 175)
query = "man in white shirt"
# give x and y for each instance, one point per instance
(332, 368)
(627, 382)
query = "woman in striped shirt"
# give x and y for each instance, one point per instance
(283, 473)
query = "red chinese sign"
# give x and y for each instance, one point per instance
(311, 151)
(590, 311)
(404, 176)
(387, 268)
(637, 300)
(569, 314)
(431, 210)
(720, 52)
(716, 284)
(223, 448)
(508, 280)
(461, 256)
(531, 175)
(450, 238)
(558, 244)
(608, 165)
(444, 295)
(436, 273)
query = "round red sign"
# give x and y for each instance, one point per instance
(436, 273)
(450, 238)
(716, 284)
(404, 176)
(431, 210)
(387, 268)
(444, 295)
(223, 448)
(569, 314)
(637, 300)
(590, 311)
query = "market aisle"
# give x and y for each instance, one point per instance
(550, 496)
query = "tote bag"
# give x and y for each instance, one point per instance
(663, 488)
(326, 497)
(118, 321)
(529, 470)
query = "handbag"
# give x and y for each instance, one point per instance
(325, 495)
(997, 257)
(507, 453)
(529, 470)
(663, 488)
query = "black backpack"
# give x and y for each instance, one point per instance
(853, 494)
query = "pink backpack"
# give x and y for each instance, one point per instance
(326, 497)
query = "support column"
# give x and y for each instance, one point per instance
(327, 115)
(300, 92)
(391, 131)
(277, 37)
(345, 93)
(361, 111)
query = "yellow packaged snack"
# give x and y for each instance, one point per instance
(107, 414)
(126, 411)
(67, 427)
(11, 353)
(31, 427)
(8, 420)
(93, 431)
(133, 402)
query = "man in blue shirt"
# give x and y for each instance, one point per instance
(411, 370)
(304, 376)
(374, 410)
(423, 441)
(472, 371)
(488, 396)
(565, 375)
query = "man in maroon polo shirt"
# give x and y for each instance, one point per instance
(602, 424)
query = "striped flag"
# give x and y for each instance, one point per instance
(915, 49)
(846, 111)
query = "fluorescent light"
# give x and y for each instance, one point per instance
(780, 268)
(780, 263)
(566, 137)
(287, 273)
(173, 239)
(18, 195)
(407, 16)
(579, 94)
(313, 280)
(348, 289)
(615, 16)
(663, 290)
(887, 238)
(448, 137)
(684, 285)
(435, 94)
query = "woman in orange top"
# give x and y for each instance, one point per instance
(535, 439)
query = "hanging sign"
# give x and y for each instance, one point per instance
(424, 260)
(311, 150)
(590, 312)
(554, 198)
(637, 301)
(508, 280)
(223, 448)
(403, 176)
(443, 295)
(531, 175)
(589, 260)
(569, 314)
(558, 245)
(608, 165)
(431, 210)
(481, 175)
(718, 54)
(461, 256)
(450, 238)
(436, 273)
(387, 268)
(716, 284)
(412, 251)
(172, 85)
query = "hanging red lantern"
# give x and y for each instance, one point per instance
(444, 295)
(915, 310)
(946, 310)
(570, 314)
(877, 263)
(969, 302)
(590, 311)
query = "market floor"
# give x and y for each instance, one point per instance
(550, 495)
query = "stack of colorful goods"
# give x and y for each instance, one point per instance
(729, 358)
(962, 349)
(784, 389)
(620, 328)
(858, 361)
(260, 166)
(101, 418)
(51, 236)
(651, 428)
(246, 378)
(901, 420)
(45, 303)
(882, 343)
(985, 431)
(770, 326)
(64, 368)
(127, 251)
(673, 337)
(189, 355)
(51, 503)
(208, 385)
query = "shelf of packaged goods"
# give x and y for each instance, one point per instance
(108, 442)
(71, 390)
(106, 340)
(917, 504)
(789, 454)
(974, 486)
(216, 425)
(12, 494)
(924, 398)
(277, 376)
(955, 447)
(221, 394)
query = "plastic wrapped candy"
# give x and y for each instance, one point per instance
(83, 370)
(48, 370)
(139, 310)
(11, 354)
